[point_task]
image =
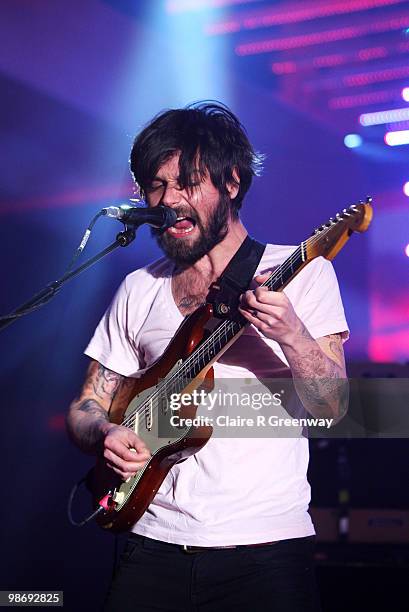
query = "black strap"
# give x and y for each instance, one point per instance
(225, 292)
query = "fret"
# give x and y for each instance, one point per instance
(218, 344)
(227, 330)
(195, 368)
(292, 265)
(286, 270)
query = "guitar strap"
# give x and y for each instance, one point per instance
(225, 292)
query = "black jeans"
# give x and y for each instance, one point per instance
(154, 575)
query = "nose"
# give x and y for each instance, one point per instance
(171, 195)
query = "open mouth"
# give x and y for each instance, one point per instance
(183, 225)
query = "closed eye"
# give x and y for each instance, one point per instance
(155, 186)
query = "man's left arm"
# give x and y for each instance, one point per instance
(318, 370)
(317, 365)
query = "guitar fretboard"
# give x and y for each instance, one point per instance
(227, 330)
(326, 241)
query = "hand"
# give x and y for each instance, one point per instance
(124, 452)
(271, 312)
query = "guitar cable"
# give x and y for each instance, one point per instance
(74, 490)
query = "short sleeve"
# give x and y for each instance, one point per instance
(112, 343)
(317, 300)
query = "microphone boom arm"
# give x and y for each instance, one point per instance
(45, 295)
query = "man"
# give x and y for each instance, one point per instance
(242, 502)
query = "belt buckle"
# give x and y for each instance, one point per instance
(191, 549)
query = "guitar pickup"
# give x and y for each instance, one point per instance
(149, 416)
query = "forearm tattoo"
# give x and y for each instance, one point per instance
(92, 407)
(89, 437)
(89, 413)
(320, 380)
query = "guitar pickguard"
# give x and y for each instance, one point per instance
(145, 423)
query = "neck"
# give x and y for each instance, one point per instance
(215, 261)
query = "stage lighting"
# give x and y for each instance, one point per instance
(352, 141)
(407, 250)
(406, 189)
(394, 139)
(405, 94)
(381, 117)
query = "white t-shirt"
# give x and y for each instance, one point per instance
(234, 490)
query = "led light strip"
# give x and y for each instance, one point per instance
(317, 38)
(294, 13)
(394, 139)
(382, 117)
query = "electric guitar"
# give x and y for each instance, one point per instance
(185, 366)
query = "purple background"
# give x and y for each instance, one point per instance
(78, 81)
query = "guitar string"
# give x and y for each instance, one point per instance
(224, 328)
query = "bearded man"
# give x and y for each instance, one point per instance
(229, 528)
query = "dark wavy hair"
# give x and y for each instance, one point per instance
(209, 138)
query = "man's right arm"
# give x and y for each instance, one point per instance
(89, 426)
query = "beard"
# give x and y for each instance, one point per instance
(210, 234)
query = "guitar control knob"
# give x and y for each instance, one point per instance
(223, 309)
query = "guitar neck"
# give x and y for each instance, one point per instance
(229, 330)
(326, 241)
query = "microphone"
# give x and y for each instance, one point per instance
(160, 216)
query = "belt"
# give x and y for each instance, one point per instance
(194, 549)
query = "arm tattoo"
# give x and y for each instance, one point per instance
(89, 414)
(319, 380)
(92, 407)
(106, 383)
(335, 347)
(87, 435)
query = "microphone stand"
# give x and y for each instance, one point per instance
(39, 299)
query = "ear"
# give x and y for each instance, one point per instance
(233, 187)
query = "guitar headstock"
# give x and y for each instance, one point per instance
(329, 238)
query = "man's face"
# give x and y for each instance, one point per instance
(203, 214)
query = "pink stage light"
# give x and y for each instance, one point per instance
(377, 76)
(284, 67)
(373, 97)
(294, 13)
(372, 53)
(395, 139)
(328, 61)
(406, 191)
(326, 36)
(405, 94)
(382, 117)
(407, 250)
(338, 59)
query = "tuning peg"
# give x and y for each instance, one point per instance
(346, 213)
